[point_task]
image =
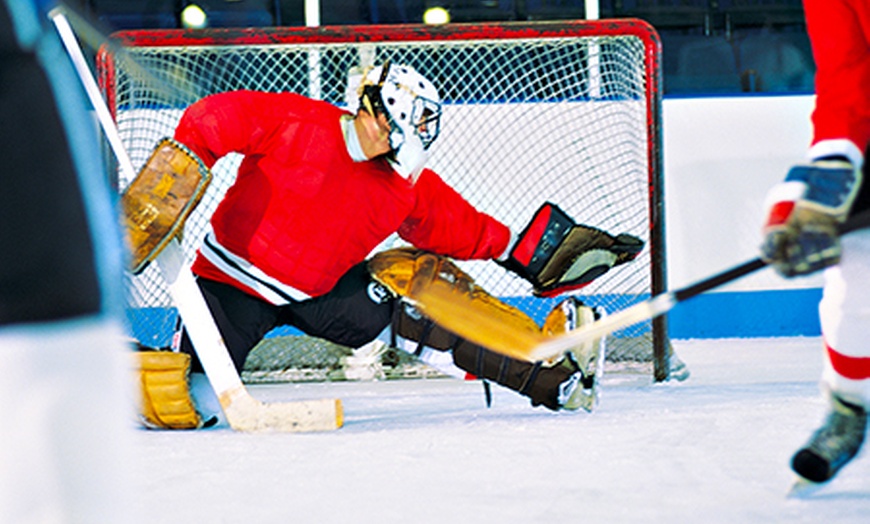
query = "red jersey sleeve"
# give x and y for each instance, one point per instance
(230, 122)
(443, 222)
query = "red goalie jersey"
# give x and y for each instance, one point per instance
(301, 211)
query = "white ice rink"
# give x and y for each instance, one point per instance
(713, 449)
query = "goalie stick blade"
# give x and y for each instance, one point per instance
(245, 413)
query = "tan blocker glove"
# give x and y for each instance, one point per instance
(800, 235)
(161, 197)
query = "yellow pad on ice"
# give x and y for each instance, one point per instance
(165, 400)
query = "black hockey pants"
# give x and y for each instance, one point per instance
(354, 313)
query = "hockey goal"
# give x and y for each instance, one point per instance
(561, 111)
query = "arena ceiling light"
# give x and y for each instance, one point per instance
(193, 17)
(436, 15)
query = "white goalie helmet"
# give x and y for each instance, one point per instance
(412, 106)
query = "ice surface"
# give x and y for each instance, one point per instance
(713, 449)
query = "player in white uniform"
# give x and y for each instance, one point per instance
(801, 229)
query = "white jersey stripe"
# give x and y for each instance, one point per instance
(249, 275)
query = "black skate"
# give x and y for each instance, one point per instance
(834, 444)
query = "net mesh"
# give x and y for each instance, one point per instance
(549, 116)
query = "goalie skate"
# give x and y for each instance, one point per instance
(587, 359)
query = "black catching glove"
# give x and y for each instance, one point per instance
(556, 254)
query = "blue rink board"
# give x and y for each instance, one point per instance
(142, 321)
(785, 313)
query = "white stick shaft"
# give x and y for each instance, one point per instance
(185, 293)
(242, 410)
(627, 317)
(204, 334)
(93, 92)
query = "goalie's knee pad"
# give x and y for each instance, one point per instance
(165, 401)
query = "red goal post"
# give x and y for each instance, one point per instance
(566, 111)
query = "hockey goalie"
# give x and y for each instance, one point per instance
(320, 187)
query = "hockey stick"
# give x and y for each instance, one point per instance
(243, 411)
(458, 314)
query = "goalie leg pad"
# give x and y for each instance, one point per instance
(165, 401)
(541, 384)
(406, 271)
(529, 379)
(411, 325)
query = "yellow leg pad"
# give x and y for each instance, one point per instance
(439, 289)
(165, 400)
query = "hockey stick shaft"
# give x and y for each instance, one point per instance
(104, 116)
(459, 315)
(243, 412)
(665, 302)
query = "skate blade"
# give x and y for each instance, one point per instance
(802, 488)
(585, 400)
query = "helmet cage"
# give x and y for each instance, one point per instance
(426, 119)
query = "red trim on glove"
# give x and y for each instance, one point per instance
(854, 368)
(525, 248)
(779, 213)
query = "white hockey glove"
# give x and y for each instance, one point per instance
(800, 234)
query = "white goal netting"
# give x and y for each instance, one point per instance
(566, 112)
